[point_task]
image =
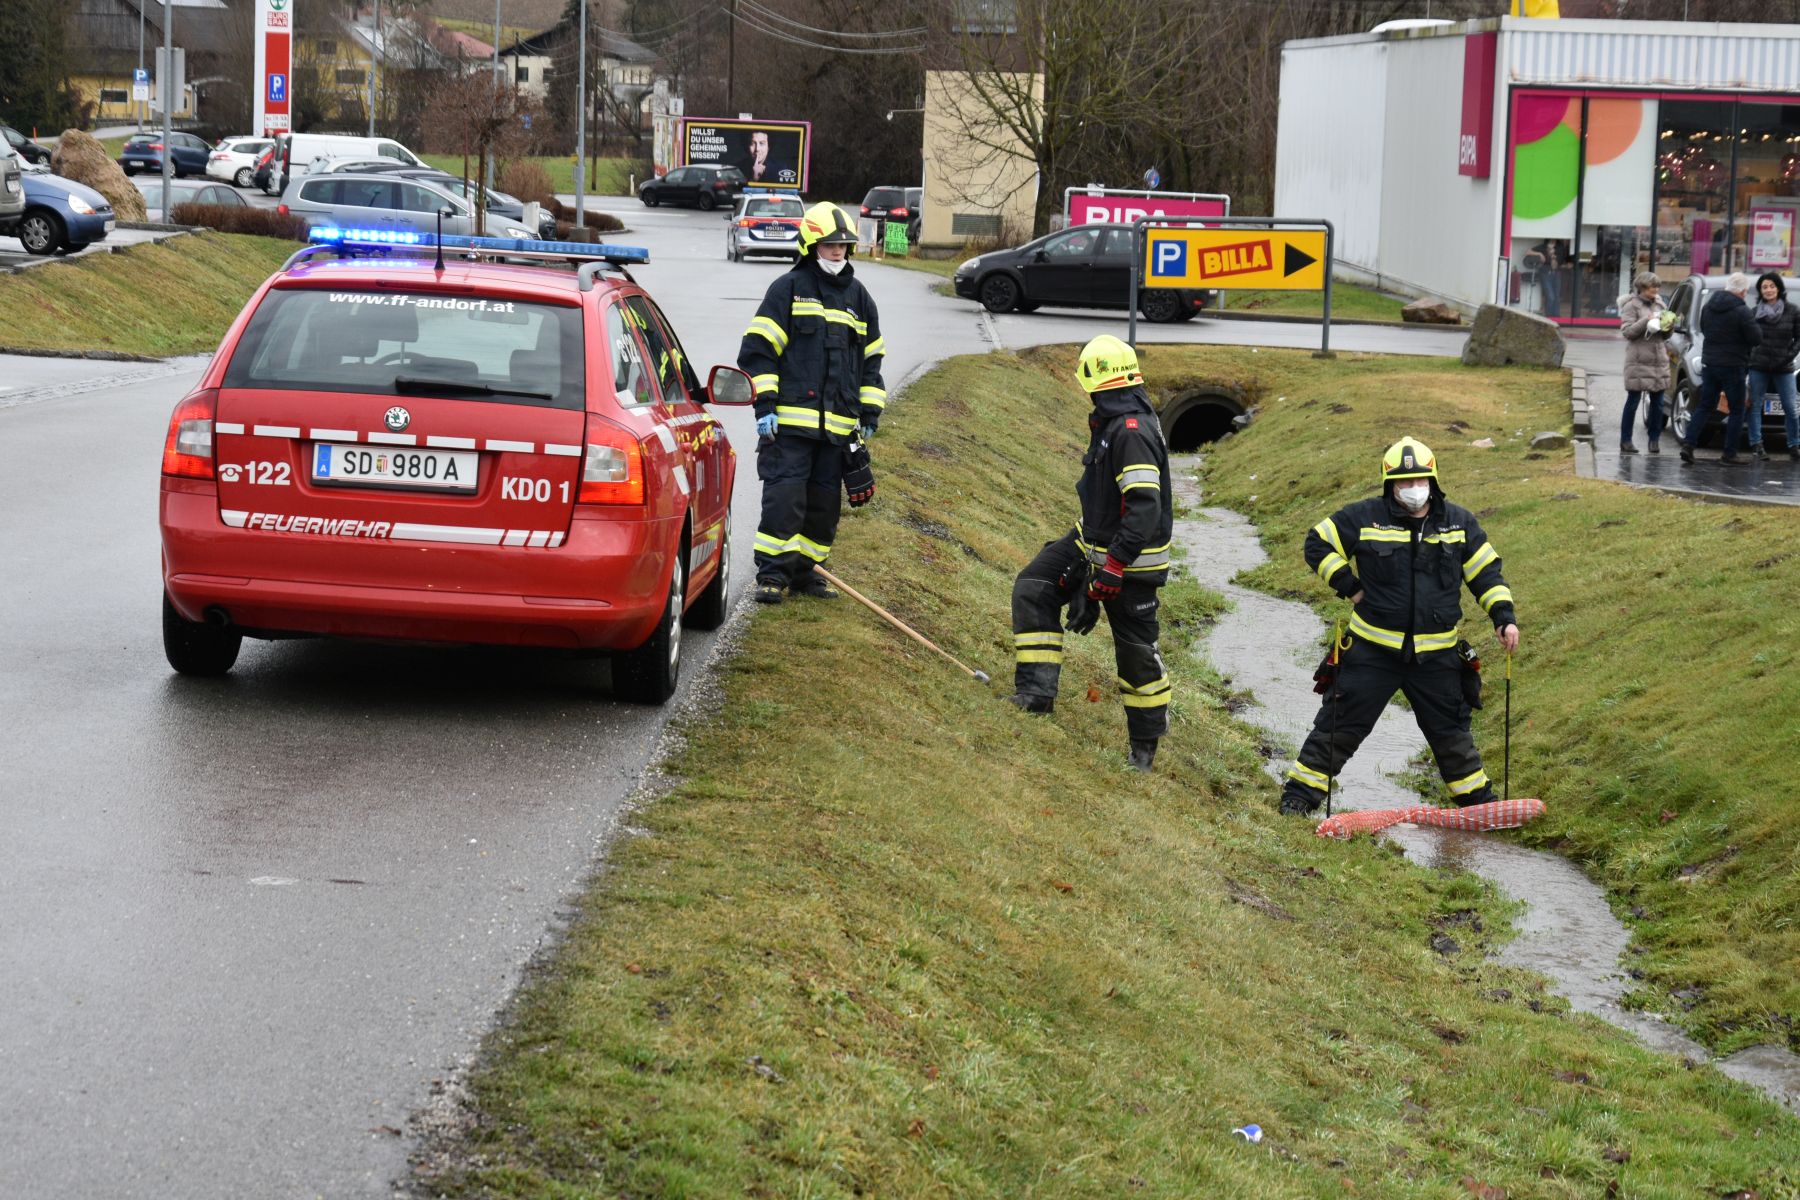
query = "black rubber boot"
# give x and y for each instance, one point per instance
(1299, 801)
(1143, 754)
(1032, 704)
(769, 593)
(814, 585)
(1484, 796)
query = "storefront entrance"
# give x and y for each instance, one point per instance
(1602, 185)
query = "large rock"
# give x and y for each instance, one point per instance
(80, 157)
(1426, 311)
(1502, 336)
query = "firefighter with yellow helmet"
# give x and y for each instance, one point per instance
(1401, 559)
(1115, 558)
(814, 352)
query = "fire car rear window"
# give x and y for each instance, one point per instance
(476, 347)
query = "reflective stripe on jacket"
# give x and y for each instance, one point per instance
(1409, 571)
(1127, 507)
(814, 351)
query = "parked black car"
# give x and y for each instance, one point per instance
(915, 208)
(704, 187)
(30, 150)
(1088, 266)
(144, 151)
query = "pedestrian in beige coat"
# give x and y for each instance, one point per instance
(1645, 322)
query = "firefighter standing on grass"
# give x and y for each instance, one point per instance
(1116, 557)
(1401, 559)
(814, 352)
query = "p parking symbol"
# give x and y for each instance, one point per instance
(1168, 258)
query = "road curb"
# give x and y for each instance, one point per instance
(1220, 314)
(93, 355)
(1581, 414)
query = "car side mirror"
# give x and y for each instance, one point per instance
(729, 386)
(1041, 256)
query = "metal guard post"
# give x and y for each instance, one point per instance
(1137, 256)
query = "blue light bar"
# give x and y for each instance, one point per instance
(384, 238)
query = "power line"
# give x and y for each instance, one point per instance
(768, 13)
(782, 36)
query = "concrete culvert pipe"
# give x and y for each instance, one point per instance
(1199, 416)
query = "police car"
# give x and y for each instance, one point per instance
(764, 223)
(457, 440)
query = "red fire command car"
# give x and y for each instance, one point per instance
(450, 448)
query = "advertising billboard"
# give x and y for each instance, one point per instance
(771, 154)
(1105, 206)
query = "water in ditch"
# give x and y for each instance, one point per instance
(1269, 647)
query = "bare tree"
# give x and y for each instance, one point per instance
(481, 117)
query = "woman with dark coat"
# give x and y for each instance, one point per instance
(1772, 363)
(1644, 322)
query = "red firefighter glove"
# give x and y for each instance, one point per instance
(1107, 581)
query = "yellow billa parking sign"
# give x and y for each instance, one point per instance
(1290, 259)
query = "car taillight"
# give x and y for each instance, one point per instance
(188, 452)
(865, 210)
(613, 471)
(898, 212)
(221, 158)
(154, 146)
(282, 209)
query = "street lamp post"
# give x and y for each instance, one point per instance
(165, 86)
(581, 103)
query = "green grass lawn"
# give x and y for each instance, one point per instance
(883, 935)
(177, 297)
(606, 177)
(1348, 302)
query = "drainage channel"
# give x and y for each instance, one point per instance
(1270, 646)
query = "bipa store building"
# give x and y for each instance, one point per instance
(1543, 163)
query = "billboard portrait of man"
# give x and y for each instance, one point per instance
(759, 165)
(771, 154)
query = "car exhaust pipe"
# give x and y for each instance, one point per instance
(217, 617)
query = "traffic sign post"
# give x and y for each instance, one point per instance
(1241, 252)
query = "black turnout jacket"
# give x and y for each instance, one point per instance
(814, 351)
(1127, 507)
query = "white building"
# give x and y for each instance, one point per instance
(1543, 163)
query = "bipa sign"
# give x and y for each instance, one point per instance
(1122, 208)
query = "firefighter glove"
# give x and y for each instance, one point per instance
(1326, 675)
(1106, 584)
(1084, 614)
(868, 431)
(765, 425)
(859, 476)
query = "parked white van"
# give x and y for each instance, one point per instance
(293, 151)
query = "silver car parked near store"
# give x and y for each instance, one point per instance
(357, 201)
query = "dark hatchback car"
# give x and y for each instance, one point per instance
(144, 151)
(30, 150)
(1088, 266)
(705, 187)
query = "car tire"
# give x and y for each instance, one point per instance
(40, 231)
(648, 674)
(713, 605)
(196, 647)
(649, 199)
(1188, 314)
(707, 202)
(128, 168)
(1159, 306)
(243, 178)
(999, 294)
(734, 256)
(1026, 306)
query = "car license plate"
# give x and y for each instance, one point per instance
(109, 226)
(1772, 406)
(381, 466)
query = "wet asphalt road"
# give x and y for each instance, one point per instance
(245, 924)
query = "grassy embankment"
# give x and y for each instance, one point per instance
(177, 297)
(613, 174)
(1654, 699)
(886, 936)
(1348, 300)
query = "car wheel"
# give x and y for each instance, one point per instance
(243, 178)
(1160, 306)
(999, 293)
(649, 199)
(707, 202)
(713, 605)
(40, 231)
(648, 675)
(196, 647)
(128, 168)
(1026, 306)
(1188, 314)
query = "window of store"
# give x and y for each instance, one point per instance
(1604, 185)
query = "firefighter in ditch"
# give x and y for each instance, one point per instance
(1115, 558)
(1400, 558)
(814, 351)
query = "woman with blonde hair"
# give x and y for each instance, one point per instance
(1645, 322)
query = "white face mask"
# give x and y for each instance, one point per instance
(832, 268)
(1413, 496)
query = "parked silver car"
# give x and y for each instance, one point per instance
(1685, 344)
(12, 191)
(357, 201)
